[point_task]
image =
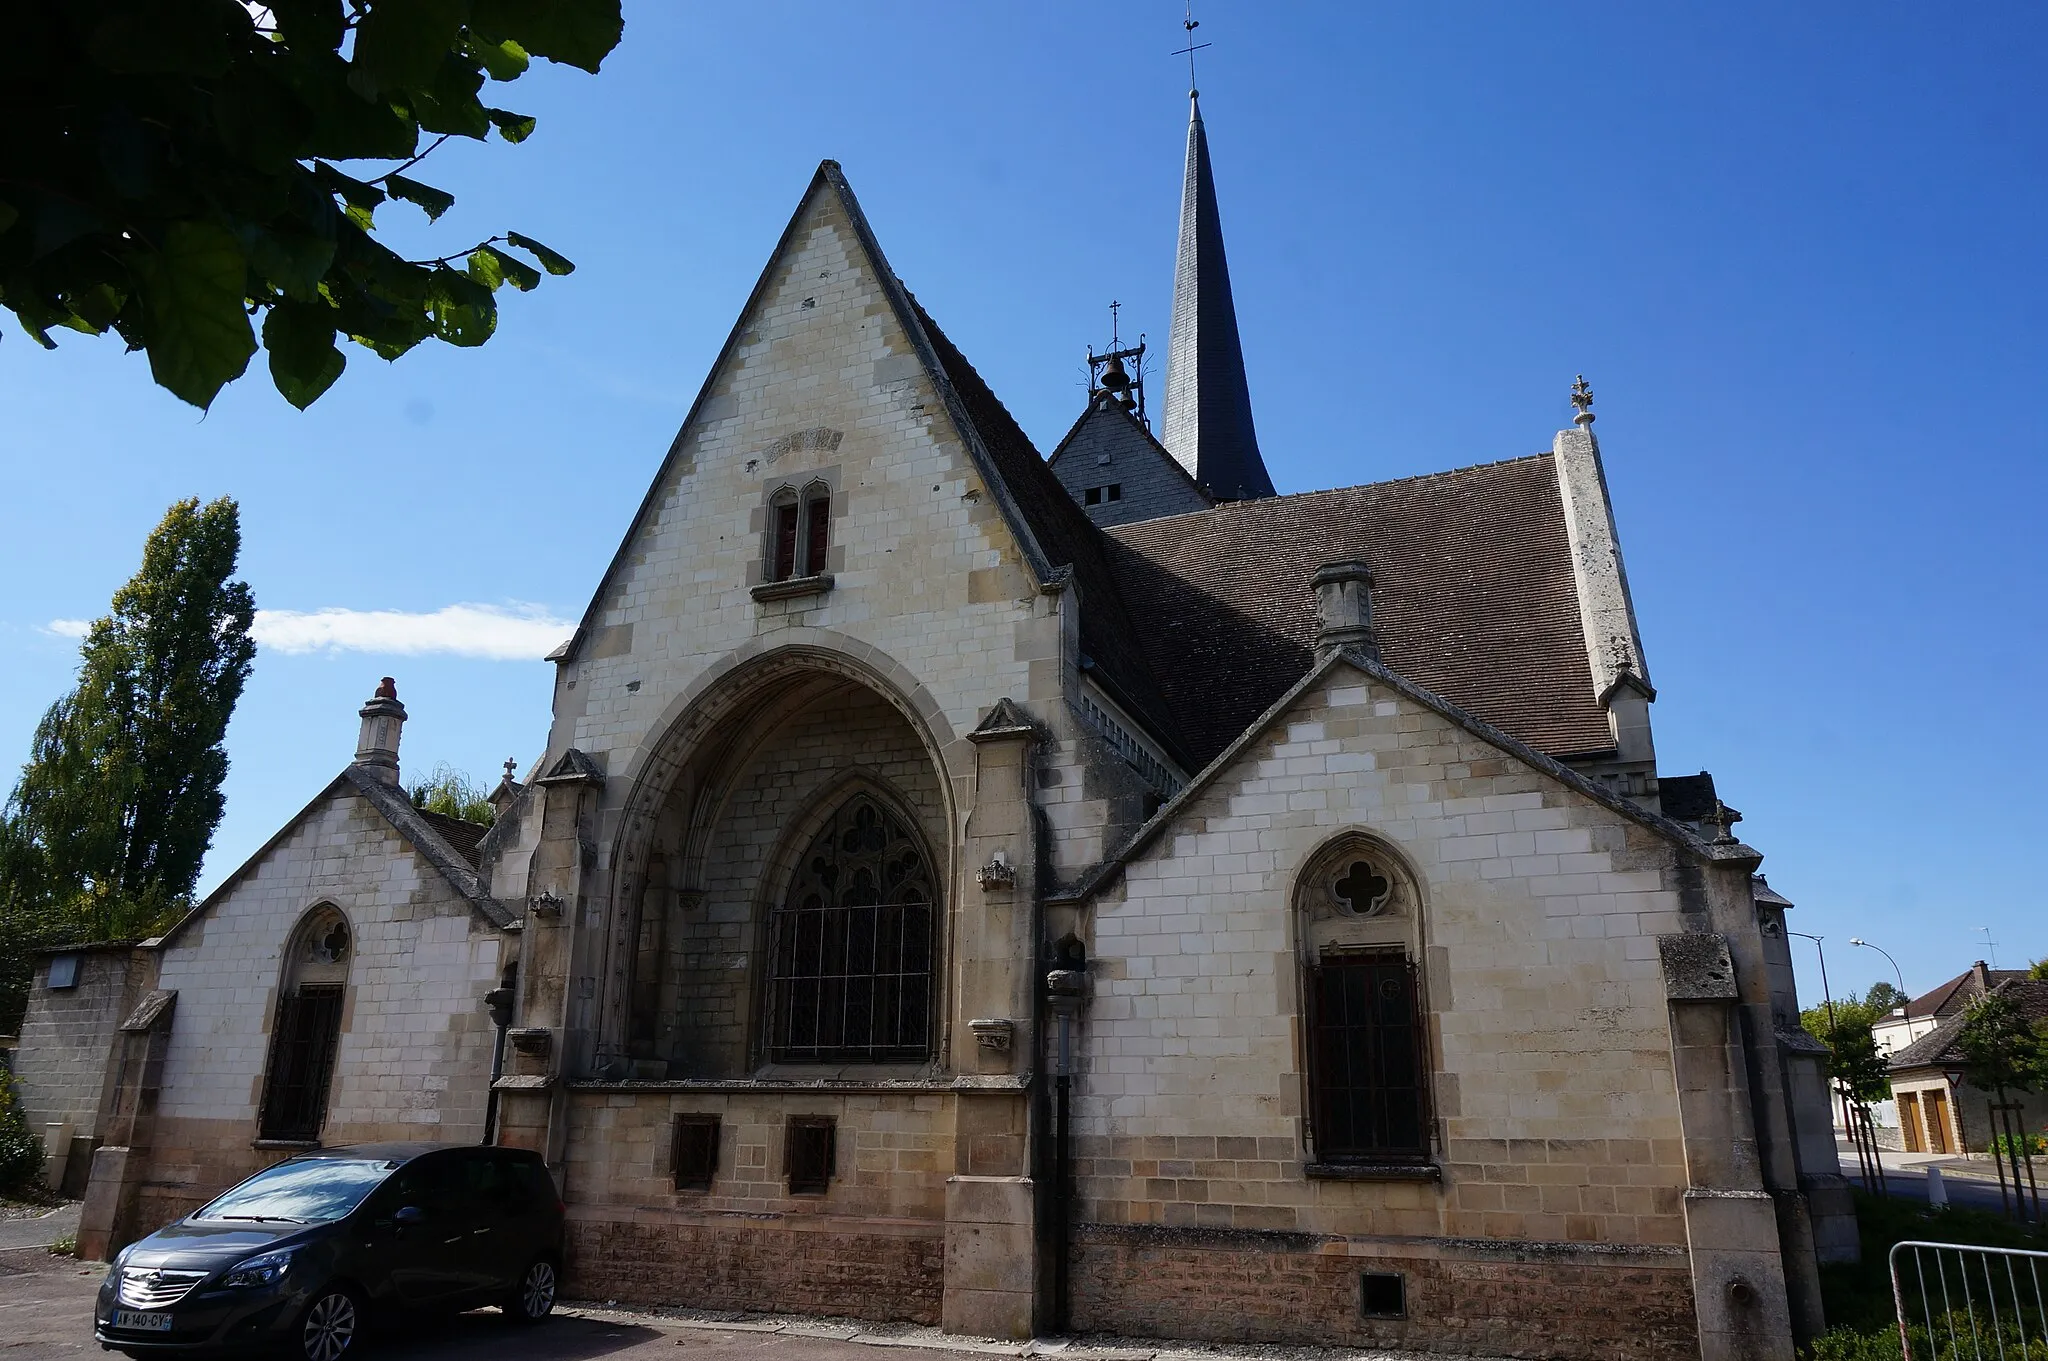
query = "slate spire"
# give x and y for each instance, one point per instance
(1208, 424)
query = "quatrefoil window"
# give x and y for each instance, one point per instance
(1361, 890)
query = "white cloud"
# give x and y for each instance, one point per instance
(499, 633)
(496, 633)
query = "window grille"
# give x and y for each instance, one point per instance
(818, 532)
(694, 1155)
(808, 1154)
(1366, 1060)
(785, 540)
(302, 1046)
(852, 954)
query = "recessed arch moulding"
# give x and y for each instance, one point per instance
(717, 818)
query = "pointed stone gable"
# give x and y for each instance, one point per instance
(1118, 473)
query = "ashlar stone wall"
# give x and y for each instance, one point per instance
(415, 1049)
(1556, 1125)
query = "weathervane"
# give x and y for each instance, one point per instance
(1582, 398)
(1190, 23)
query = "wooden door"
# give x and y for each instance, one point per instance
(1909, 1121)
(1938, 1140)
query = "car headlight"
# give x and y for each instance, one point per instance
(264, 1270)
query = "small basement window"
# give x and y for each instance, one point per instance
(807, 1154)
(64, 971)
(694, 1155)
(1383, 1294)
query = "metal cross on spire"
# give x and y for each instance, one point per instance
(1190, 23)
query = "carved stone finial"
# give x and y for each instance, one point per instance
(993, 1034)
(511, 767)
(1582, 401)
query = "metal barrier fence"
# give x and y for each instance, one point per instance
(1958, 1303)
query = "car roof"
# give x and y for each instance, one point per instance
(398, 1153)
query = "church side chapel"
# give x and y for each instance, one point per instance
(1092, 892)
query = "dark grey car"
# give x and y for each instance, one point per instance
(301, 1255)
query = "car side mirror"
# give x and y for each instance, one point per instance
(408, 1215)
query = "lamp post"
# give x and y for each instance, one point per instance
(1858, 940)
(1828, 999)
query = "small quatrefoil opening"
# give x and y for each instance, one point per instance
(1362, 891)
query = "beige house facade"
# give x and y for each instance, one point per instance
(1257, 919)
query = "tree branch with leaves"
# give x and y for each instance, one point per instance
(172, 172)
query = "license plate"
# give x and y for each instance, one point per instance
(140, 1322)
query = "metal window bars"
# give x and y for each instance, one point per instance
(1960, 1303)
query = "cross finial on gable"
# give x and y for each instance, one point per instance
(511, 766)
(1582, 399)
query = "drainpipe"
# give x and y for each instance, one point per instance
(498, 1001)
(1065, 988)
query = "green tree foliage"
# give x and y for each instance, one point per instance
(2039, 971)
(450, 792)
(21, 1153)
(105, 832)
(1855, 1061)
(1882, 999)
(171, 171)
(2003, 1050)
(1851, 1009)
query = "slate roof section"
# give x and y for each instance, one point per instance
(1938, 1046)
(1066, 537)
(1473, 600)
(462, 837)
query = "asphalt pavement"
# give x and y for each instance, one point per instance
(1971, 1184)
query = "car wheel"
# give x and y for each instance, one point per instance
(533, 1297)
(330, 1326)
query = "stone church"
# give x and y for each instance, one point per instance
(1090, 892)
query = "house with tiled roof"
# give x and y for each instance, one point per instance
(1102, 893)
(1940, 1109)
(1904, 1024)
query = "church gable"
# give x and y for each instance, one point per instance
(844, 474)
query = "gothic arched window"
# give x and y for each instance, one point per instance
(799, 531)
(852, 953)
(307, 1027)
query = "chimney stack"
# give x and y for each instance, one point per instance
(1344, 608)
(377, 745)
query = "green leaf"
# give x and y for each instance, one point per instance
(463, 311)
(504, 60)
(551, 261)
(199, 338)
(360, 199)
(513, 127)
(309, 25)
(492, 267)
(291, 262)
(400, 44)
(168, 37)
(434, 201)
(578, 33)
(304, 361)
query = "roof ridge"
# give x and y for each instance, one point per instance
(1296, 496)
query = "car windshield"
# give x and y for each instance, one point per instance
(308, 1191)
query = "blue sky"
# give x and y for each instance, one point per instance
(1796, 249)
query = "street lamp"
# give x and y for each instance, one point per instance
(1858, 940)
(1827, 998)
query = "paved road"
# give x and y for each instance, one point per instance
(1905, 1174)
(46, 1315)
(40, 1231)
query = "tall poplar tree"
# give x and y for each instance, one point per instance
(104, 834)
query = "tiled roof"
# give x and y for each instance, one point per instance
(1938, 1046)
(462, 837)
(1473, 599)
(1948, 998)
(1064, 533)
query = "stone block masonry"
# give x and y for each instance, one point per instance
(1490, 1299)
